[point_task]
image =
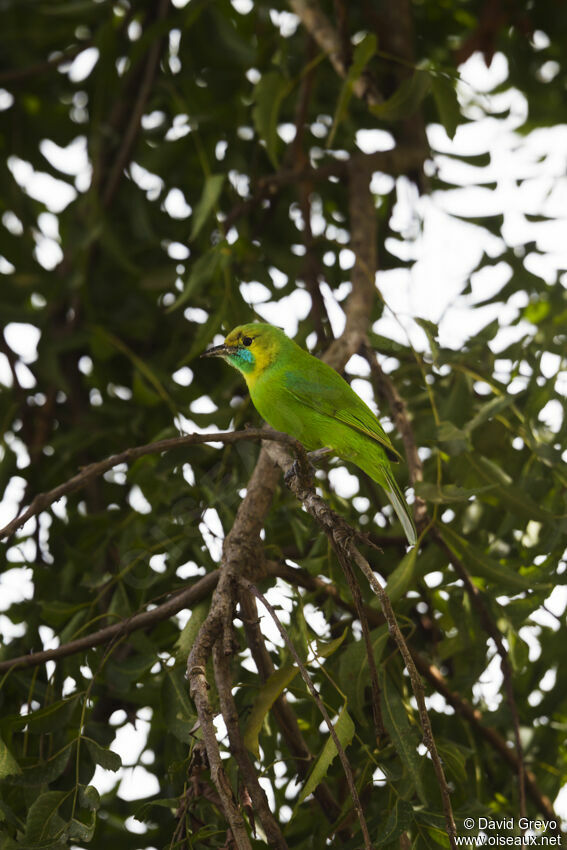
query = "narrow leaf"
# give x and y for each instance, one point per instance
(363, 53)
(344, 727)
(404, 736)
(326, 648)
(267, 695)
(449, 493)
(401, 578)
(445, 95)
(8, 764)
(207, 202)
(269, 93)
(481, 564)
(405, 99)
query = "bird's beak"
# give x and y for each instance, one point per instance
(219, 350)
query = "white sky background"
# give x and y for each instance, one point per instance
(444, 249)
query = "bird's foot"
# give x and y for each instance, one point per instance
(294, 471)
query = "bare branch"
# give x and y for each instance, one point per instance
(94, 470)
(363, 243)
(185, 599)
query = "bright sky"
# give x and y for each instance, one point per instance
(444, 249)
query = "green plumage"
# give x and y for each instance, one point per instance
(302, 396)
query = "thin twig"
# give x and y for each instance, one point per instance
(185, 599)
(129, 136)
(320, 705)
(319, 27)
(94, 470)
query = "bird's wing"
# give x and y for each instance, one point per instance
(335, 398)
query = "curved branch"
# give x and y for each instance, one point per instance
(185, 599)
(95, 470)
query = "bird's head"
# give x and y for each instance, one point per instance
(250, 348)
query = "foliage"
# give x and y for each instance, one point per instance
(164, 170)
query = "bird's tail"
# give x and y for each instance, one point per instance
(400, 506)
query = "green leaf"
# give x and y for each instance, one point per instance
(445, 95)
(269, 93)
(344, 727)
(207, 202)
(83, 830)
(404, 736)
(8, 764)
(326, 648)
(402, 577)
(397, 822)
(186, 639)
(354, 675)
(206, 269)
(178, 712)
(431, 331)
(449, 493)
(89, 798)
(363, 53)
(481, 564)
(102, 756)
(405, 99)
(488, 411)
(143, 813)
(508, 492)
(267, 695)
(43, 821)
(54, 716)
(455, 439)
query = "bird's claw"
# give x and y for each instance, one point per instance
(293, 472)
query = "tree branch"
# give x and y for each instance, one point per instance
(319, 27)
(185, 599)
(94, 470)
(143, 92)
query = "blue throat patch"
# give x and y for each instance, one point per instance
(243, 360)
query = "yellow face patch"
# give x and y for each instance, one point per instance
(255, 350)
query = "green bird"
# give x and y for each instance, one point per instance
(302, 396)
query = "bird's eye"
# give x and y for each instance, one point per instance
(246, 340)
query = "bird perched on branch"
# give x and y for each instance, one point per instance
(302, 396)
